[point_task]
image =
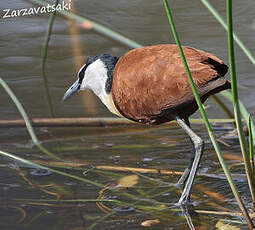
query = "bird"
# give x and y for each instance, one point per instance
(149, 85)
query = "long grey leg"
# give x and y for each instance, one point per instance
(186, 172)
(199, 146)
(186, 213)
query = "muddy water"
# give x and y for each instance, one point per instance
(152, 195)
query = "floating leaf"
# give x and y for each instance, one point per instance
(148, 223)
(128, 181)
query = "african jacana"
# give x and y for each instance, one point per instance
(149, 85)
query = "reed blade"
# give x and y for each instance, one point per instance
(203, 114)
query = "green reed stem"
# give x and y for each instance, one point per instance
(224, 107)
(26, 119)
(246, 51)
(251, 149)
(27, 162)
(43, 61)
(251, 141)
(203, 114)
(94, 26)
(243, 110)
(224, 25)
(242, 140)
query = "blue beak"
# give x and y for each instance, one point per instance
(71, 91)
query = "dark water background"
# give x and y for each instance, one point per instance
(21, 42)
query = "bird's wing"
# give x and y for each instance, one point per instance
(150, 79)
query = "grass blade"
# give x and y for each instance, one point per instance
(214, 12)
(93, 26)
(43, 61)
(242, 140)
(26, 119)
(203, 114)
(251, 150)
(251, 142)
(243, 110)
(27, 162)
(224, 108)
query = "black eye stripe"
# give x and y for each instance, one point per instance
(81, 73)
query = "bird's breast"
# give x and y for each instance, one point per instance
(109, 103)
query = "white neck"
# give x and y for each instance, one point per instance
(95, 79)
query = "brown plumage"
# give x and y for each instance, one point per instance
(150, 84)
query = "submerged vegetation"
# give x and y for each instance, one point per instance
(114, 197)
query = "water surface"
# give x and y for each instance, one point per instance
(153, 194)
